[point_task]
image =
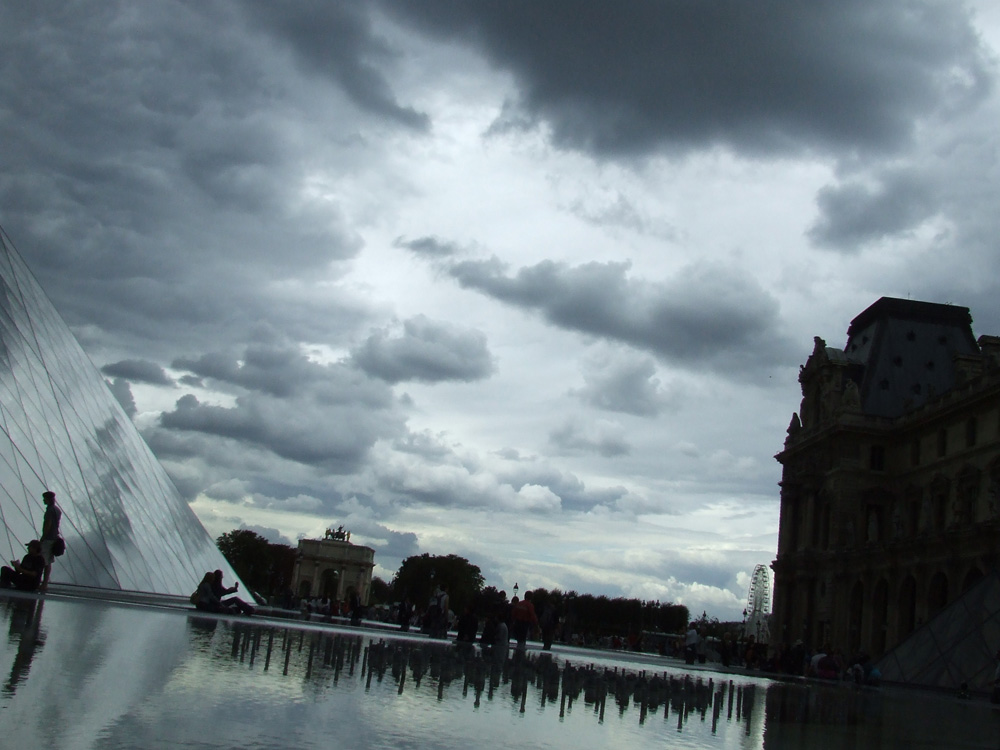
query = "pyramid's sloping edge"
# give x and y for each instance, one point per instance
(125, 524)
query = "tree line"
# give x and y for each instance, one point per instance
(267, 568)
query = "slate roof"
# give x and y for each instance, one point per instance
(907, 352)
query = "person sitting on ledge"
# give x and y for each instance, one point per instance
(221, 591)
(27, 574)
(206, 600)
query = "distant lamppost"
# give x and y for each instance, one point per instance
(515, 589)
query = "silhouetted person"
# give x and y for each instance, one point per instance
(50, 533)
(488, 639)
(356, 608)
(220, 591)
(405, 613)
(548, 621)
(205, 598)
(525, 620)
(24, 624)
(468, 626)
(501, 643)
(27, 574)
(691, 640)
(437, 613)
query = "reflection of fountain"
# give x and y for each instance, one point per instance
(26, 618)
(538, 674)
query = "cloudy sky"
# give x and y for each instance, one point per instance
(529, 282)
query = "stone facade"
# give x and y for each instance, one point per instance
(332, 567)
(890, 481)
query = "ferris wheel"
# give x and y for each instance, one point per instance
(758, 610)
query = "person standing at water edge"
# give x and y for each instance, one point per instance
(691, 644)
(525, 619)
(50, 533)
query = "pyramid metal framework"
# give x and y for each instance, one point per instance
(957, 646)
(125, 525)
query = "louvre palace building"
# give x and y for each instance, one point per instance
(890, 475)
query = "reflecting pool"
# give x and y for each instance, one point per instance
(84, 674)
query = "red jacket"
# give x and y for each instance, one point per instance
(524, 611)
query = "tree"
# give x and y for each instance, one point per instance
(419, 575)
(489, 600)
(380, 592)
(263, 566)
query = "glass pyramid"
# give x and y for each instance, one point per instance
(125, 525)
(955, 647)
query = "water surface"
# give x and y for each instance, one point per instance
(97, 675)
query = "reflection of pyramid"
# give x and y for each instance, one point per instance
(125, 525)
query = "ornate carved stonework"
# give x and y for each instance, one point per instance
(896, 459)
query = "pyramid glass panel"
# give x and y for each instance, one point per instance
(124, 522)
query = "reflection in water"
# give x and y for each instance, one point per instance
(127, 677)
(536, 676)
(25, 630)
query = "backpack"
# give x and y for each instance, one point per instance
(58, 547)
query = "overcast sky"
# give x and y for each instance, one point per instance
(528, 282)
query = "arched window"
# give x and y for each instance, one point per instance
(328, 583)
(967, 495)
(856, 613)
(880, 613)
(937, 594)
(971, 578)
(940, 490)
(907, 607)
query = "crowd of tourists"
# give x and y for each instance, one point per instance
(325, 609)
(492, 630)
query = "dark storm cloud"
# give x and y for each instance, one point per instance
(281, 369)
(702, 317)
(855, 214)
(274, 536)
(152, 185)
(624, 384)
(627, 78)
(138, 371)
(605, 440)
(428, 247)
(122, 392)
(335, 441)
(618, 211)
(336, 40)
(427, 351)
(424, 444)
(277, 370)
(324, 415)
